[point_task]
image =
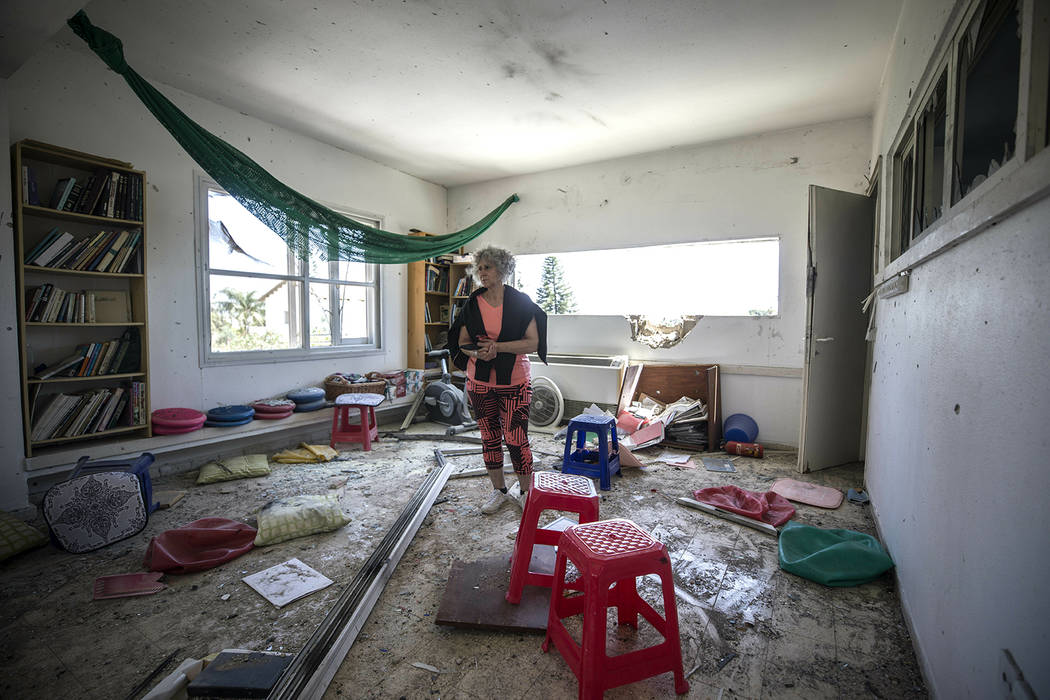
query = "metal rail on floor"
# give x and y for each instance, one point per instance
(313, 668)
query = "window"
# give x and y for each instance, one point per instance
(989, 77)
(975, 115)
(929, 156)
(262, 303)
(717, 278)
(904, 169)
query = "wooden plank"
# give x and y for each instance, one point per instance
(668, 383)
(629, 387)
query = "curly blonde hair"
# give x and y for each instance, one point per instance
(499, 258)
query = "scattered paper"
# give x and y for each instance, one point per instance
(287, 582)
(676, 458)
(426, 667)
(716, 464)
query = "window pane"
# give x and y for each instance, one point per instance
(931, 129)
(321, 316)
(253, 313)
(990, 60)
(239, 242)
(355, 313)
(719, 278)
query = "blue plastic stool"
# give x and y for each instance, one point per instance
(600, 464)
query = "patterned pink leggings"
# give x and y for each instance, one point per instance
(503, 414)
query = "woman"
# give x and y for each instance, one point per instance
(498, 327)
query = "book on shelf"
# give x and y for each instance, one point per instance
(62, 192)
(426, 313)
(107, 258)
(92, 193)
(90, 251)
(44, 243)
(53, 249)
(49, 415)
(30, 195)
(112, 306)
(63, 365)
(74, 194)
(63, 260)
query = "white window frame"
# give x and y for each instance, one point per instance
(1021, 179)
(210, 358)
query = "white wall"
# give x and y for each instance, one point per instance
(735, 189)
(12, 481)
(957, 439)
(70, 99)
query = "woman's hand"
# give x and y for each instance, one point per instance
(487, 349)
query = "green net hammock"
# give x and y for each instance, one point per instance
(300, 221)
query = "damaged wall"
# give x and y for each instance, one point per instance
(957, 442)
(64, 97)
(744, 188)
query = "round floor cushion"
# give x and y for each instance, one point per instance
(308, 394)
(273, 406)
(178, 418)
(227, 423)
(264, 415)
(311, 406)
(161, 430)
(232, 414)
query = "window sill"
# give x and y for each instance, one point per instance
(1009, 190)
(238, 359)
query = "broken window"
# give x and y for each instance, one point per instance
(712, 278)
(262, 301)
(904, 167)
(988, 80)
(929, 156)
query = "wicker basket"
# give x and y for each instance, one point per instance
(338, 386)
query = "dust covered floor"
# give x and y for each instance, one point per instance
(748, 629)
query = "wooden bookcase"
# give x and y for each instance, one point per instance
(432, 286)
(39, 169)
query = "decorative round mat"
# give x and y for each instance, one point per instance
(161, 430)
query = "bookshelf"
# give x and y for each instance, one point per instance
(432, 293)
(80, 242)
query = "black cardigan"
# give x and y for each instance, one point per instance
(518, 312)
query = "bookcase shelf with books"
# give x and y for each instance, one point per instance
(80, 235)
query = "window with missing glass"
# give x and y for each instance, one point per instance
(988, 71)
(711, 278)
(984, 108)
(261, 303)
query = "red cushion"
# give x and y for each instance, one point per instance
(199, 545)
(767, 507)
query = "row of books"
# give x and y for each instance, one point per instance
(49, 304)
(106, 251)
(90, 411)
(465, 286)
(437, 279)
(109, 193)
(115, 356)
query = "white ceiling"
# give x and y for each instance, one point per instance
(460, 91)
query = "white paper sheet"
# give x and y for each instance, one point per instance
(287, 582)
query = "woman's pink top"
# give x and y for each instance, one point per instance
(492, 318)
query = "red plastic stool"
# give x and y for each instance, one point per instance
(550, 491)
(613, 553)
(367, 430)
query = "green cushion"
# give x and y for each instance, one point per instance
(298, 516)
(232, 468)
(16, 536)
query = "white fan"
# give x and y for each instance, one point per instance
(547, 406)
